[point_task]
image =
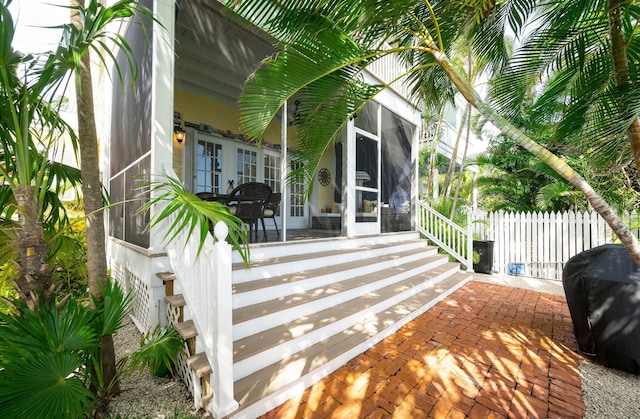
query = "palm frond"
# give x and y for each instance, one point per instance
(44, 354)
(191, 213)
(112, 309)
(158, 351)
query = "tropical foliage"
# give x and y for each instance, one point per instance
(511, 179)
(158, 352)
(576, 71)
(192, 213)
(30, 126)
(50, 356)
(324, 47)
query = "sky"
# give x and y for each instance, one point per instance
(30, 16)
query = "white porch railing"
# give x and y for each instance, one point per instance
(455, 240)
(205, 282)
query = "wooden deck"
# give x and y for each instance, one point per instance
(295, 234)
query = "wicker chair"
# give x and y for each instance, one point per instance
(271, 210)
(247, 202)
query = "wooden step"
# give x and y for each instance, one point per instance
(168, 278)
(175, 308)
(264, 347)
(278, 287)
(264, 251)
(263, 269)
(175, 300)
(305, 273)
(186, 329)
(329, 354)
(303, 303)
(205, 401)
(320, 254)
(199, 364)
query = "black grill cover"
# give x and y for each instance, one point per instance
(602, 286)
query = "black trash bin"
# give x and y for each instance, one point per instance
(485, 250)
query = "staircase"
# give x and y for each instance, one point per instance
(303, 309)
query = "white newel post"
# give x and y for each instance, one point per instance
(220, 349)
(469, 242)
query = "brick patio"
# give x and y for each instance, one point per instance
(487, 351)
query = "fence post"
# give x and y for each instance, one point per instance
(220, 350)
(469, 242)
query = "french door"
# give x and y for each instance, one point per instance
(209, 168)
(216, 163)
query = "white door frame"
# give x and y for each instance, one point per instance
(351, 227)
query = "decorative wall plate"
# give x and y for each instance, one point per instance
(324, 176)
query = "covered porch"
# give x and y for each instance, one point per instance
(366, 182)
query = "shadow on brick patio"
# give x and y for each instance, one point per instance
(487, 351)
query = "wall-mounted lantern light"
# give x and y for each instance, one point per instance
(179, 134)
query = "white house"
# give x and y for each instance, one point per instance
(260, 335)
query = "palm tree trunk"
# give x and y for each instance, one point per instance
(34, 276)
(448, 179)
(557, 164)
(433, 156)
(93, 204)
(621, 70)
(464, 157)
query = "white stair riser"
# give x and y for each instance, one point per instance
(253, 326)
(283, 290)
(274, 250)
(286, 268)
(272, 355)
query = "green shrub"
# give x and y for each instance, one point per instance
(158, 352)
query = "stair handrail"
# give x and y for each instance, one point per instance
(204, 277)
(457, 241)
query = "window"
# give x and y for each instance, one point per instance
(297, 197)
(209, 171)
(272, 171)
(246, 166)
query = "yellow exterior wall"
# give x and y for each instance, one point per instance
(199, 110)
(325, 193)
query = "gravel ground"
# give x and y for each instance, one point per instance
(607, 393)
(148, 396)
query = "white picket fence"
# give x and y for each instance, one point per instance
(543, 242)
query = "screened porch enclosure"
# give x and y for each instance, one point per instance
(213, 58)
(364, 188)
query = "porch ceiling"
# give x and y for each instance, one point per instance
(214, 56)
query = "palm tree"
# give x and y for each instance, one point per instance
(29, 126)
(29, 104)
(579, 68)
(93, 18)
(325, 45)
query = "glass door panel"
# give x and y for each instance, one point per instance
(209, 167)
(297, 206)
(367, 183)
(246, 166)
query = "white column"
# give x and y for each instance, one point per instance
(349, 182)
(162, 78)
(284, 171)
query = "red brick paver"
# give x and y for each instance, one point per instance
(487, 351)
